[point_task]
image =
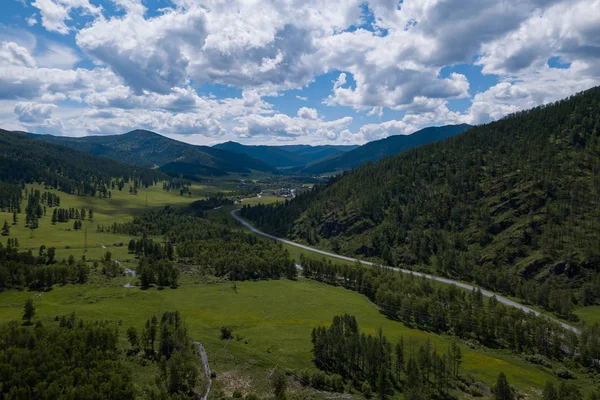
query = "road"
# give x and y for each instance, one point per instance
(207, 372)
(466, 286)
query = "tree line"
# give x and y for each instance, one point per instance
(373, 364)
(205, 246)
(168, 344)
(23, 269)
(467, 315)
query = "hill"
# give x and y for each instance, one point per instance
(285, 156)
(376, 150)
(513, 205)
(151, 150)
(24, 160)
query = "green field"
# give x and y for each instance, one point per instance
(275, 317)
(120, 208)
(272, 318)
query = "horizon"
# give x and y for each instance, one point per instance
(310, 73)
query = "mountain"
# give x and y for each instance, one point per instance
(23, 159)
(285, 156)
(151, 150)
(513, 205)
(269, 154)
(315, 153)
(378, 149)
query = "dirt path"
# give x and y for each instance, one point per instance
(206, 367)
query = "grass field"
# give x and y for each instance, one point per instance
(274, 317)
(589, 315)
(120, 208)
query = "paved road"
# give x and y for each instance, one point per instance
(466, 286)
(207, 372)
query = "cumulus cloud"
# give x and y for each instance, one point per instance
(33, 113)
(149, 66)
(55, 13)
(284, 127)
(11, 54)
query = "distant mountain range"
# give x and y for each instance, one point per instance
(374, 151)
(151, 150)
(285, 156)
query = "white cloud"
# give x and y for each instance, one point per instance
(38, 117)
(57, 56)
(149, 65)
(33, 113)
(11, 54)
(308, 113)
(284, 127)
(31, 21)
(55, 13)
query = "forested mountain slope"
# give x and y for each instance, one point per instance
(24, 160)
(269, 154)
(376, 150)
(149, 149)
(511, 204)
(315, 153)
(285, 156)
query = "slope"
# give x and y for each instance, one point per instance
(24, 160)
(151, 150)
(285, 156)
(378, 149)
(513, 205)
(269, 154)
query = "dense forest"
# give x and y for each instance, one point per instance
(376, 150)
(208, 247)
(23, 269)
(70, 359)
(25, 160)
(82, 359)
(512, 204)
(373, 364)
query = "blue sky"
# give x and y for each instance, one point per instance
(294, 71)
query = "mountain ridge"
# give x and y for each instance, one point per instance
(152, 150)
(375, 150)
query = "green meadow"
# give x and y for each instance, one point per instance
(271, 320)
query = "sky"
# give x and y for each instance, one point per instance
(287, 71)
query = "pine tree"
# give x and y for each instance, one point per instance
(5, 229)
(29, 311)
(502, 389)
(549, 392)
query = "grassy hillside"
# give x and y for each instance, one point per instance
(512, 204)
(378, 149)
(149, 149)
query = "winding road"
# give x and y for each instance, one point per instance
(466, 286)
(207, 372)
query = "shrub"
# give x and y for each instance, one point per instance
(564, 373)
(226, 333)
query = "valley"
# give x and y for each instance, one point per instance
(219, 251)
